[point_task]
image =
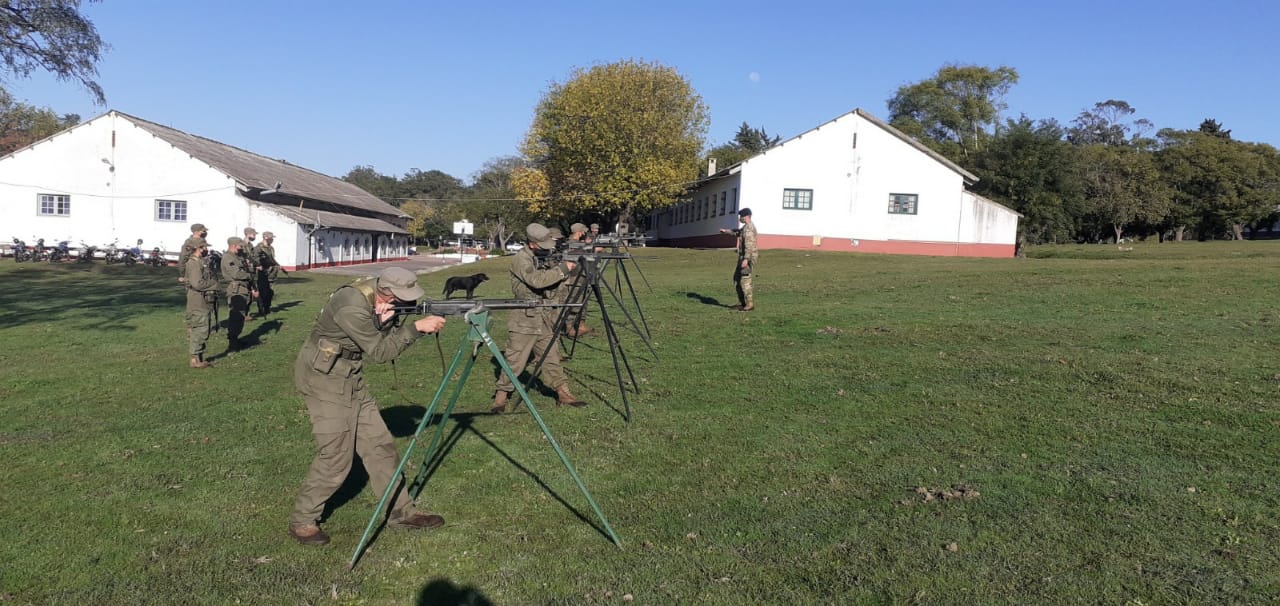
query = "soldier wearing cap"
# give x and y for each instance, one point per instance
(239, 276)
(595, 232)
(250, 253)
(748, 254)
(197, 231)
(577, 233)
(531, 332)
(355, 327)
(202, 297)
(268, 270)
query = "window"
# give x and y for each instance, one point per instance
(903, 204)
(724, 202)
(798, 199)
(54, 204)
(734, 209)
(171, 210)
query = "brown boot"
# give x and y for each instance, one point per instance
(499, 402)
(583, 329)
(198, 362)
(564, 398)
(309, 534)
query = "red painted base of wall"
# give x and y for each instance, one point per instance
(340, 263)
(890, 247)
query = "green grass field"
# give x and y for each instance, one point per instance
(1088, 425)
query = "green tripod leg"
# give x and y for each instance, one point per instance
(478, 333)
(415, 488)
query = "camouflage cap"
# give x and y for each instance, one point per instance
(556, 233)
(198, 227)
(249, 231)
(577, 228)
(402, 283)
(233, 240)
(540, 235)
(267, 234)
(198, 242)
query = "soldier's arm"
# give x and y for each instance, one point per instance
(356, 319)
(749, 243)
(524, 270)
(232, 270)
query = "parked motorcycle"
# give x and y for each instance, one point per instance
(20, 251)
(60, 253)
(87, 251)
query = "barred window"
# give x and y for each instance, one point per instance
(903, 204)
(55, 204)
(798, 199)
(171, 210)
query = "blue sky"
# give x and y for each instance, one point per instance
(449, 85)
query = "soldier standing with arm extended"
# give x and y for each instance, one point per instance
(235, 270)
(748, 253)
(531, 331)
(267, 272)
(198, 232)
(354, 327)
(202, 294)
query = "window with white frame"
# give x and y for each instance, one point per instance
(797, 199)
(171, 210)
(57, 205)
(903, 204)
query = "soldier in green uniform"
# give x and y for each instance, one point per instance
(198, 232)
(268, 270)
(531, 331)
(353, 328)
(236, 271)
(748, 254)
(202, 295)
(250, 253)
(577, 233)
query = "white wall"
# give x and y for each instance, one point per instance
(985, 222)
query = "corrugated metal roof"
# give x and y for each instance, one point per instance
(261, 172)
(328, 219)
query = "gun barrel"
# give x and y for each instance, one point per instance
(428, 307)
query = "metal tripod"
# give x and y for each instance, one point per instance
(477, 335)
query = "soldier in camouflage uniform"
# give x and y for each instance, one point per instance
(202, 295)
(198, 232)
(250, 253)
(530, 332)
(355, 327)
(748, 253)
(239, 276)
(268, 270)
(577, 233)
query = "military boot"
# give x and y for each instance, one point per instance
(197, 361)
(499, 402)
(564, 398)
(309, 534)
(583, 329)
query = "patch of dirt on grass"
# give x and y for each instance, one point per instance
(957, 492)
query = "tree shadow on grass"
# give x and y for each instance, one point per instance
(443, 592)
(90, 296)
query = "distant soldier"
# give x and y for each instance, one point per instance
(595, 233)
(202, 297)
(198, 232)
(748, 253)
(577, 233)
(531, 331)
(267, 272)
(236, 271)
(250, 253)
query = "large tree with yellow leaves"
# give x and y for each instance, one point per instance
(614, 140)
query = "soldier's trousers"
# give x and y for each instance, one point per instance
(199, 324)
(742, 282)
(265, 293)
(345, 426)
(239, 308)
(522, 347)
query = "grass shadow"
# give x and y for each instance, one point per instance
(98, 297)
(443, 592)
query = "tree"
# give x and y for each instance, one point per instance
(1213, 127)
(383, 186)
(492, 202)
(746, 143)
(1122, 185)
(952, 111)
(1029, 166)
(1103, 125)
(430, 185)
(53, 36)
(614, 139)
(22, 124)
(1218, 182)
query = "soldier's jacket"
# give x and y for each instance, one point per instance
(188, 249)
(266, 256)
(529, 282)
(202, 284)
(747, 244)
(343, 339)
(238, 274)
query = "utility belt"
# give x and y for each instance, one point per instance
(328, 352)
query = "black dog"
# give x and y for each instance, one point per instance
(467, 283)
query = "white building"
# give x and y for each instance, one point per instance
(853, 184)
(117, 177)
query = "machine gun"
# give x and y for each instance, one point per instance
(459, 307)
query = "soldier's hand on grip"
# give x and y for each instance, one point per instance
(429, 324)
(384, 311)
